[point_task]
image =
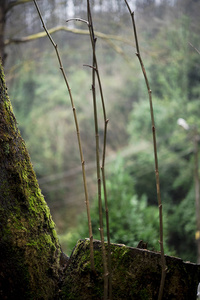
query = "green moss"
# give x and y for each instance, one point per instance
(4, 189)
(6, 148)
(27, 231)
(38, 251)
(77, 248)
(126, 284)
(119, 252)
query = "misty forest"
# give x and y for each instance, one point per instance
(168, 33)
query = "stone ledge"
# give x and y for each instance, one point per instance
(136, 274)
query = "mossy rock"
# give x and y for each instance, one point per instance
(136, 274)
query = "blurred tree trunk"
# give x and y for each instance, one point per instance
(2, 27)
(29, 249)
(5, 7)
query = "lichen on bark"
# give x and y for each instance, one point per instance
(29, 247)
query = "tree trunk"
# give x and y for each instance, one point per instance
(29, 248)
(2, 28)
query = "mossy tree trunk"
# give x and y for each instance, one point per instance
(29, 248)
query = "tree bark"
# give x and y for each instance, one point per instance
(29, 249)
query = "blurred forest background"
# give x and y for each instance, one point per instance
(166, 31)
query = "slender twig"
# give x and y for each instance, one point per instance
(94, 72)
(104, 140)
(106, 208)
(197, 186)
(77, 19)
(194, 48)
(163, 262)
(78, 137)
(89, 66)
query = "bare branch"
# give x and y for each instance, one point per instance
(95, 71)
(78, 138)
(105, 37)
(65, 28)
(77, 19)
(194, 48)
(89, 66)
(128, 7)
(163, 262)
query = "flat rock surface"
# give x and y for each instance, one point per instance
(136, 274)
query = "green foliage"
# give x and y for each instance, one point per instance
(174, 154)
(182, 227)
(175, 95)
(131, 219)
(175, 151)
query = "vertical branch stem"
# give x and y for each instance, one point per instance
(95, 71)
(197, 190)
(163, 263)
(78, 137)
(107, 211)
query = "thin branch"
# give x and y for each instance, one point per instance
(105, 37)
(65, 28)
(92, 67)
(78, 137)
(48, 34)
(107, 273)
(107, 210)
(163, 262)
(104, 180)
(77, 19)
(194, 48)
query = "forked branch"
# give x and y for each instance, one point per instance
(163, 263)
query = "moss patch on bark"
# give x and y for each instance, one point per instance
(29, 247)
